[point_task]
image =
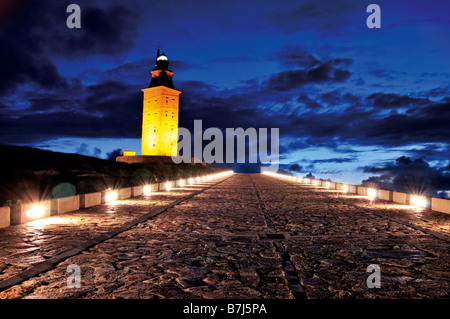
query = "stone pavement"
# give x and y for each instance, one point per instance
(247, 236)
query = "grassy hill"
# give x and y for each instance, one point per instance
(28, 173)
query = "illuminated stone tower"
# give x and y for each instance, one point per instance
(160, 115)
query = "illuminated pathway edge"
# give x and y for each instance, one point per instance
(247, 236)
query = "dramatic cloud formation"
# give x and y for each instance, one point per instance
(39, 32)
(336, 90)
(412, 176)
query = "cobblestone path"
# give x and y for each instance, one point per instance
(246, 236)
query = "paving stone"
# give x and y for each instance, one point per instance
(210, 246)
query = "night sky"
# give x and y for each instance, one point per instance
(352, 103)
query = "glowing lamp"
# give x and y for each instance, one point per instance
(191, 181)
(315, 182)
(371, 193)
(147, 190)
(168, 185)
(345, 188)
(181, 182)
(299, 179)
(111, 196)
(327, 184)
(35, 211)
(307, 180)
(418, 201)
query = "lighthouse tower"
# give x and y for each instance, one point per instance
(160, 114)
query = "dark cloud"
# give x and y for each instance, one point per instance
(335, 160)
(136, 72)
(295, 55)
(107, 109)
(295, 168)
(112, 155)
(331, 97)
(106, 31)
(410, 175)
(356, 125)
(83, 149)
(425, 125)
(329, 16)
(388, 101)
(310, 103)
(432, 151)
(350, 98)
(324, 72)
(39, 32)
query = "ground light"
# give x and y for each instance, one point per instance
(181, 183)
(372, 193)
(168, 186)
(345, 188)
(418, 201)
(35, 211)
(191, 181)
(147, 190)
(327, 184)
(111, 195)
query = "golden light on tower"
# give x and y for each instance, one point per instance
(160, 112)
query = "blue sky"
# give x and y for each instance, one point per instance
(347, 99)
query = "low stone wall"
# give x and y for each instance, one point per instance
(385, 195)
(21, 214)
(399, 198)
(5, 217)
(65, 204)
(124, 193)
(436, 204)
(441, 205)
(361, 190)
(90, 199)
(136, 191)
